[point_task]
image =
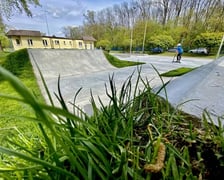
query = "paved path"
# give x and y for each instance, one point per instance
(90, 70)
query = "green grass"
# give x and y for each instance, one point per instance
(123, 140)
(118, 63)
(3, 56)
(19, 64)
(177, 72)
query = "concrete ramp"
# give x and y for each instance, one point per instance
(53, 62)
(199, 90)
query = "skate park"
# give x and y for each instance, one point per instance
(89, 70)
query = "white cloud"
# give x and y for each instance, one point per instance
(64, 8)
(57, 14)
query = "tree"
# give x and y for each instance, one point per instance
(8, 6)
(209, 40)
(92, 26)
(178, 4)
(140, 20)
(104, 44)
(4, 42)
(163, 7)
(163, 41)
(73, 32)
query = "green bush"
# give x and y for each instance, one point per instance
(163, 41)
(209, 40)
(104, 44)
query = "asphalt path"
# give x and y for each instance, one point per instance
(95, 80)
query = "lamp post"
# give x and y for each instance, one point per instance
(45, 16)
(131, 40)
(146, 14)
(132, 27)
(220, 47)
(143, 43)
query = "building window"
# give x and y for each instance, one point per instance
(17, 42)
(30, 42)
(64, 42)
(85, 46)
(80, 44)
(70, 42)
(56, 42)
(45, 42)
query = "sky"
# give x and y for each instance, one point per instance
(55, 14)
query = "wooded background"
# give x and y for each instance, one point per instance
(152, 23)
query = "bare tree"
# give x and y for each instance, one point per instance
(163, 7)
(127, 14)
(177, 6)
(144, 7)
(73, 32)
(119, 15)
(90, 17)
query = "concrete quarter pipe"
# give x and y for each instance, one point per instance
(77, 68)
(89, 69)
(53, 63)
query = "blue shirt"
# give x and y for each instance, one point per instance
(179, 50)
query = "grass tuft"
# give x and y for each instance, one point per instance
(118, 63)
(177, 72)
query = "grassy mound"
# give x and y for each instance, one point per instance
(177, 72)
(18, 63)
(118, 63)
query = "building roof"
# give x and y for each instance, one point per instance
(88, 38)
(23, 33)
(56, 37)
(38, 34)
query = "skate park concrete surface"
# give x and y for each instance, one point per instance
(89, 70)
(200, 90)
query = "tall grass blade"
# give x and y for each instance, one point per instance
(36, 160)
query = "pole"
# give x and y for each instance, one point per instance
(131, 40)
(143, 44)
(220, 47)
(46, 21)
(132, 27)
